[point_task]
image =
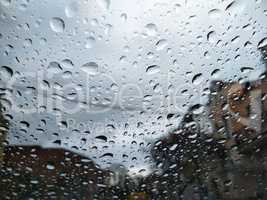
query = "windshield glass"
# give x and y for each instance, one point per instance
(112, 99)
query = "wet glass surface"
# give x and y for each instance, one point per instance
(112, 99)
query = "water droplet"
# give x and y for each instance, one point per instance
(124, 16)
(101, 138)
(6, 73)
(173, 147)
(192, 135)
(235, 39)
(71, 9)
(27, 42)
(227, 183)
(262, 43)
(215, 73)
(211, 37)
(6, 104)
(90, 68)
(161, 44)
(197, 79)
(94, 22)
(43, 41)
(236, 7)
(67, 63)
(151, 29)
(54, 67)
(246, 69)
(50, 166)
(215, 13)
(105, 4)
(177, 8)
(107, 155)
(90, 43)
(57, 25)
(153, 69)
(114, 87)
(157, 88)
(197, 109)
(24, 125)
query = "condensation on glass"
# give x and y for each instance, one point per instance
(131, 99)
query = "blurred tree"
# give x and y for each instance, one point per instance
(3, 132)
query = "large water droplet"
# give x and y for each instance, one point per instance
(114, 87)
(27, 42)
(215, 73)
(57, 25)
(90, 68)
(262, 43)
(90, 43)
(197, 79)
(211, 37)
(66, 63)
(6, 73)
(101, 138)
(151, 29)
(236, 7)
(54, 67)
(215, 13)
(161, 44)
(153, 69)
